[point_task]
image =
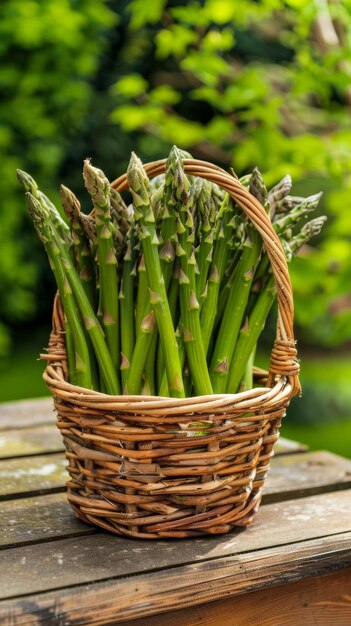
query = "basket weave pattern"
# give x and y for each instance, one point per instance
(154, 467)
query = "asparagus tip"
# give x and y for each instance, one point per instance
(26, 181)
(138, 182)
(96, 183)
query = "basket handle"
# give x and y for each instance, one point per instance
(283, 356)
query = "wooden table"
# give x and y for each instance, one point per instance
(292, 566)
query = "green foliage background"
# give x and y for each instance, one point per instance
(239, 83)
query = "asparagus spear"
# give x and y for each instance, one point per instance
(31, 186)
(121, 220)
(189, 306)
(82, 253)
(99, 189)
(254, 324)
(298, 211)
(162, 202)
(79, 365)
(277, 194)
(69, 278)
(143, 299)
(126, 296)
(139, 186)
(206, 208)
(238, 297)
(220, 257)
(91, 323)
(167, 252)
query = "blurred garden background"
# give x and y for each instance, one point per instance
(240, 83)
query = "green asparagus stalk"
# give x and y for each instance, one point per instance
(139, 186)
(247, 380)
(121, 220)
(82, 254)
(99, 190)
(71, 283)
(91, 323)
(233, 315)
(237, 244)
(285, 221)
(167, 254)
(255, 323)
(31, 186)
(126, 296)
(173, 301)
(143, 299)
(189, 306)
(161, 201)
(206, 208)
(220, 257)
(71, 353)
(277, 194)
(80, 372)
(141, 348)
(309, 230)
(249, 334)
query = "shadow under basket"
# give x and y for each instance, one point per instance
(151, 467)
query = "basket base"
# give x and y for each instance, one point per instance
(189, 525)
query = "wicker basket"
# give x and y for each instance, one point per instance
(138, 465)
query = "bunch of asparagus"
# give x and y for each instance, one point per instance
(167, 296)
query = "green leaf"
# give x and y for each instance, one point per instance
(145, 12)
(165, 94)
(130, 86)
(174, 41)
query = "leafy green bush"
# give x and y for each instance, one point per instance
(255, 83)
(239, 83)
(49, 51)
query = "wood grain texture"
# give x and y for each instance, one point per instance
(294, 475)
(37, 519)
(288, 446)
(32, 475)
(322, 601)
(81, 560)
(123, 599)
(26, 413)
(30, 441)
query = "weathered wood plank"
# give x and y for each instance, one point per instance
(25, 413)
(29, 441)
(321, 601)
(40, 518)
(122, 599)
(295, 475)
(32, 475)
(288, 446)
(81, 560)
